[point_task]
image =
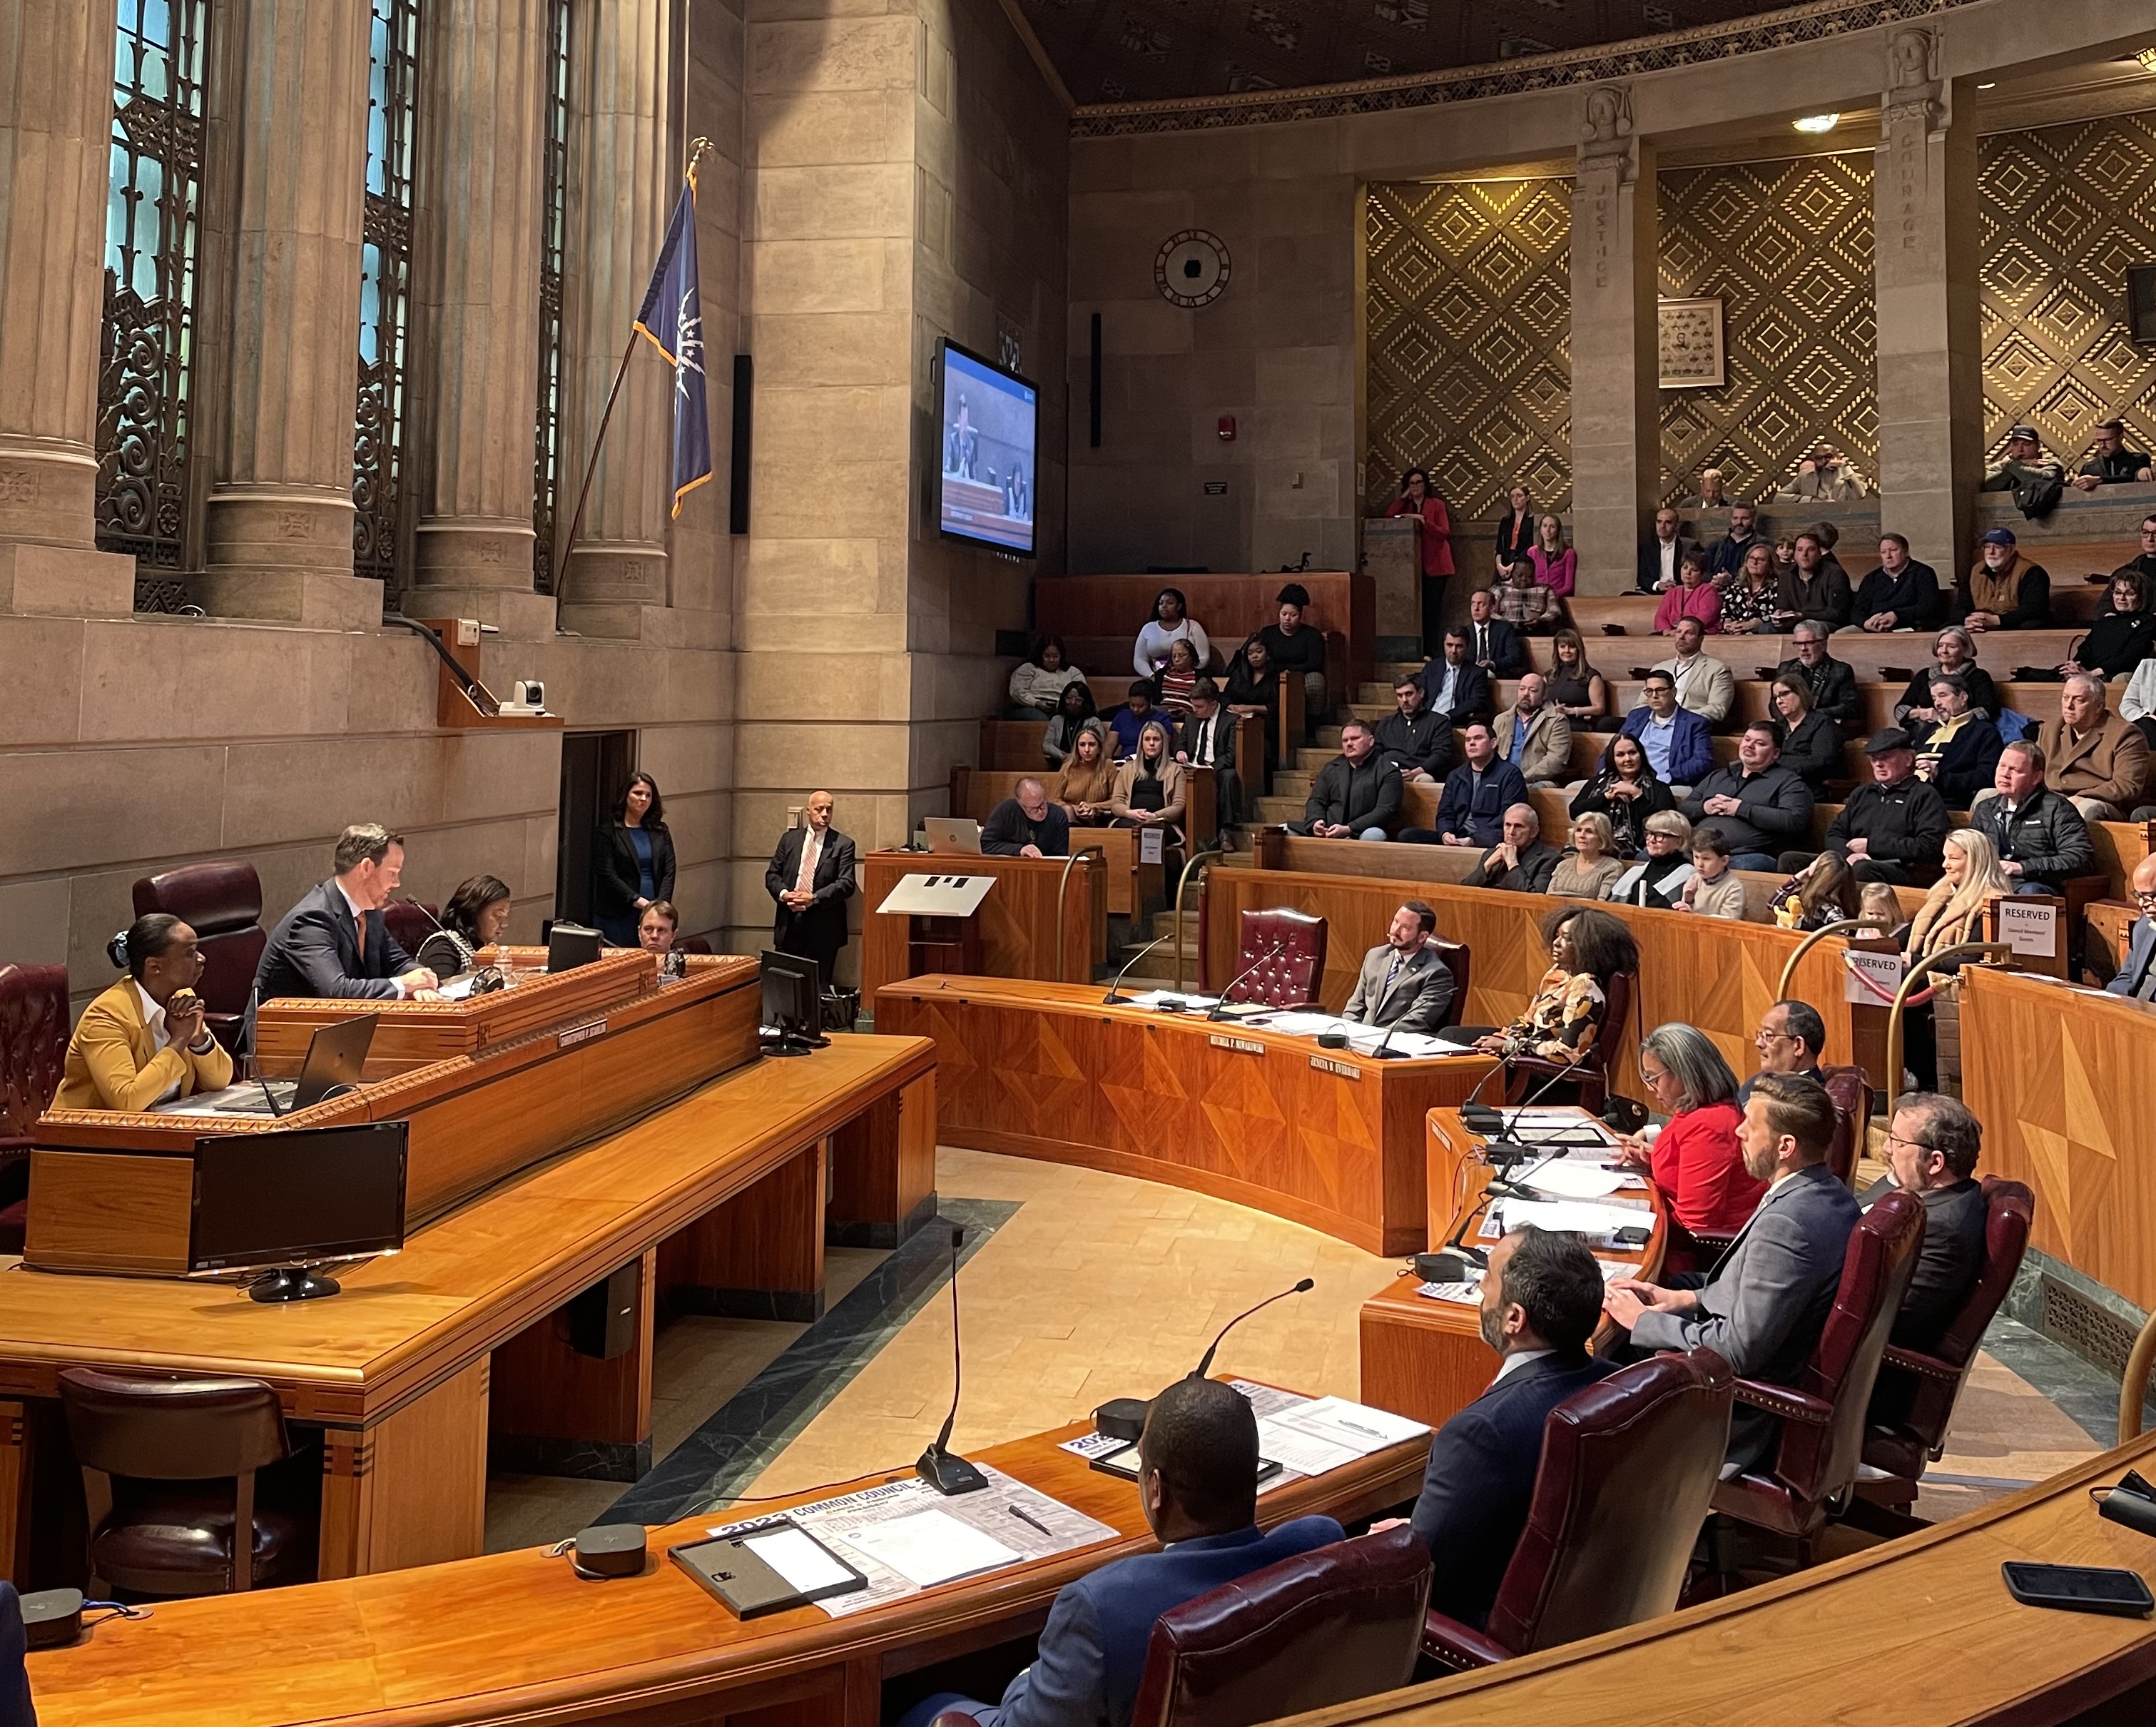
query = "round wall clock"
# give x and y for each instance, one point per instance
(1192, 268)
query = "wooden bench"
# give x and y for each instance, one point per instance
(1099, 616)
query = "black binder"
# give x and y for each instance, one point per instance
(748, 1585)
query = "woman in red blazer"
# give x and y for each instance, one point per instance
(1418, 497)
(1695, 1160)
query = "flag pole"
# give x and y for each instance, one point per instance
(697, 147)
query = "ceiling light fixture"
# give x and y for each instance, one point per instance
(1817, 123)
(1988, 86)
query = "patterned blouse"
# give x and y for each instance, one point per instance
(1741, 604)
(1561, 1022)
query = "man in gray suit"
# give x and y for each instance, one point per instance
(1764, 1305)
(1404, 984)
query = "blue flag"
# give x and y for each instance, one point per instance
(672, 318)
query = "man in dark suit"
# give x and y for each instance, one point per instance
(1542, 1299)
(811, 877)
(1832, 682)
(1765, 1304)
(1197, 1477)
(1403, 982)
(1791, 1038)
(1454, 687)
(1932, 1147)
(2137, 978)
(1208, 740)
(1663, 556)
(1492, 644)
(334, 944)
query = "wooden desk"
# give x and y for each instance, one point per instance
(1427, 1359)
(515, 1637)
(723, 1191)
(1323, 1138)
(1133, 886)
(1018, 934)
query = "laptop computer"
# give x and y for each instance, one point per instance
(337, 1056)
(951, 834)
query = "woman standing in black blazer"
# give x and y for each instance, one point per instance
(1516, 528)
(632, 861)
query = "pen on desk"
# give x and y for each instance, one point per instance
(1031, 1521)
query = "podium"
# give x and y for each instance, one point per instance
(1010, 928)
(942, 934)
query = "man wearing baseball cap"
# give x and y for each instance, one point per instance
(2036, 481)
(1894, 829)
(2003, 589)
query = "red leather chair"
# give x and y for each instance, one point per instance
(33, 1039)
(1628, 1468)
(1822, 1440)
(1459, 961)
(1894, 1458)
(1282, 959)
(1592, 1075)
(410, 925)
(1852, 1092)
(222, 903)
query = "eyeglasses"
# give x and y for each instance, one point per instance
(1765, 1037)
(1895, 1138)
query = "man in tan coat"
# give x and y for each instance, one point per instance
(1534, 736)
(2095, 758)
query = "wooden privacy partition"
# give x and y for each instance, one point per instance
(1091, 612)
(1019, 937)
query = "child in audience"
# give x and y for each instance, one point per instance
(1126, 722)
(1526, 603)
(1878, 904)
(1177, 678)
(1715, 890)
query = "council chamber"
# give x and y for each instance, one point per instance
(1045, 866)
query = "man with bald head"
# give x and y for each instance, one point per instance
(810, 879)
(2137, 978)
(1534, 737)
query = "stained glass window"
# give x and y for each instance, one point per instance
(385, 285)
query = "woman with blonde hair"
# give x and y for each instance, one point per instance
(1592, 866)
(1952, 913)
(1087, 783)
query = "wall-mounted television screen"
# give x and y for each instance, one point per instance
(989, 419)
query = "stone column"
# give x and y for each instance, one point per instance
(622, 180)
(280, 514)
(55, 150)
(1924, 267)
(1616, 409)
(476, 311)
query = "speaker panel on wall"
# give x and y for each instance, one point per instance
(744, 418)
(1093, 408)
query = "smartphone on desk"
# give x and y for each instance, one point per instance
(2080, 1588)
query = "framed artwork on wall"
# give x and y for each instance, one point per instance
(1689, 344)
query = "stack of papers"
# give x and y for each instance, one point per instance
(1565, 1180)
(1467, 1294)
(1578, 1217)
(1171, 998)
(1324, 1433)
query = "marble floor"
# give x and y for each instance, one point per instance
(1078, 1287)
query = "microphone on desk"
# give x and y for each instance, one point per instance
(1510, 1150)
(947, 1473)
(1124, 1417)
(1481, 1118)
(1263, 960)
(1114, 998)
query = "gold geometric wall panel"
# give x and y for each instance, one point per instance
(1469, 313)
(2064, 210)
(1787, 247)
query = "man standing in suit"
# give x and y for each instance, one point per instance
(811, 877)
(1763, 1306)
(1198, 1480)
(334, 944)
(1404, 984)
(1208, 740)
(1542, 1299)
(1492, 644)
(2137, 978)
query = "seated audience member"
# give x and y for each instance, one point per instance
(2144, 561)
(2137, 706)
(1419, 498)
(1470, 809)
(1542, 1300)
(2110, 463)
(1588, 947)
(1825, 476)
(1197, 1475)
(1534, 737)
(2027, 472)
(1960, 753)
(1454, 687)
(1657, 878)
(1357, 794)
(631, 861)
(1073, 715)
(2137, 977)
(1758, 805)
(655, 933)
(1901, 595)
(1662, 557)
(1714, 890)
(1809, 741)
(1037, 686)
(2039, 836)
(1208, 740)
(1790, 1039)
(1695, 598)
(1252, 692)
(1953, 655)
(145, 1041)
(1710, 495)
(1889, 831)
(475, 918)
(1404, 982)
(1878, 905)
(1124, 723)
(1726, 556)
(1523, 603)
(1752, 592)
(2096, 758)
(1933, 1143)
(1170, 624)
(2119, 641)
(335, 944)
(1293, 645)
(1492, 644)
(2003, 589)
(1827, 892)
(1623, 793)
(1026, 825)
(1177, 680)
(1555, 564)
(1086, 786)
(1516, 530)
(1520, 861)
(1695, 1159)
(1952, 913)
(1817, 589)
(1704, 685)
(1574, 688)
(1832, 682)
(1412, 739)
(1675, 738)
(1763, 1308)
(1151, 787)
(1591, 868)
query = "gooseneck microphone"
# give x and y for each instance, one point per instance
(1263, 960)
(1205, 1361)
(938, 1467)
(1124, 1417)
(1114, 998)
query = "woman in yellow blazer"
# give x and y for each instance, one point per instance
(143, 1041)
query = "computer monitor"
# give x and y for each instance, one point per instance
(570, 945)
(285, 1203)
(793, 1002)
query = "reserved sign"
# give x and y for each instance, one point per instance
(2029, 926)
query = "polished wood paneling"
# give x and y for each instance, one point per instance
(410, 1490)
(109, 1211)
(1048, 1072)
(1018, 934)
(768, 1239)
(543, 1388)
(883, 1170)
(1083, 609)
(975, 792)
